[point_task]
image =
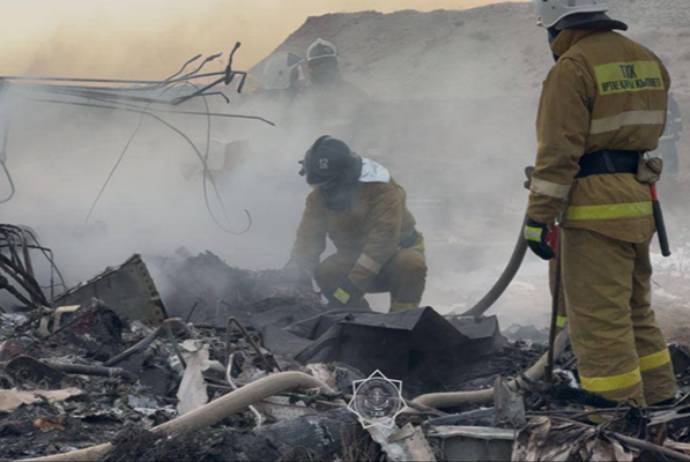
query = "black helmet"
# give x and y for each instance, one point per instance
(329, 162)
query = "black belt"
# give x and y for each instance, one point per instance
(608, 162)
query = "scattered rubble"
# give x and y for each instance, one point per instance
(267, 374)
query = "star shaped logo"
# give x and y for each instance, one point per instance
(377, 400)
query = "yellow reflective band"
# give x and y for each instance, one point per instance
(626, 119)
(369, 263)
(561, 321)
(397, 307)
(616, 382)
(419, 245)
(610, 212)
(656, 360)
(533, 234)
(628, 77)
(550, 189)
(342, 296)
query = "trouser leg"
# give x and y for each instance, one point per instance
(658, 377)
(404, 276)
(598, 280)
(331, 273)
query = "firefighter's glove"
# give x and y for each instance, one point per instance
(345, 292)
(541, 239)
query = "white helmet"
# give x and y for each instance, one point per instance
(281, 71)
(321, 49)
(552, 11)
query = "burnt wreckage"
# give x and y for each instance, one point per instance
(243, 365)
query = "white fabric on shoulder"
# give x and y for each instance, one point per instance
(373, 172)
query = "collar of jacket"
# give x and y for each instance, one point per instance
(568, 38)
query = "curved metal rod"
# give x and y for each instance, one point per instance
(228, 377)
(145, 342)
(248, 336)
(176, 130)
(13, 190)
(48, 253)
(120, 158)
(137, 109)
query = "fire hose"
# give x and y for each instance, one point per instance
(556, 347)
(536, 372)
(209, 414)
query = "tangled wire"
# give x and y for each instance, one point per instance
(16, 244)
(144, 97)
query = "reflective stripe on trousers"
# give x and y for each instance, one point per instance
(613, 383)
(621, 351)
(627, 380)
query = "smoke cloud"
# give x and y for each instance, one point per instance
(447, 132)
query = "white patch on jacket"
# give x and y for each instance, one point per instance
(373, 172)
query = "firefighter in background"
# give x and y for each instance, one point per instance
(671, 136)
(603, 105)
(357, 204)
(330, 104)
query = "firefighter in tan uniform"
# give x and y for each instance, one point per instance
(357, 204)
(603, 106)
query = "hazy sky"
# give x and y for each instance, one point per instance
(148, 38)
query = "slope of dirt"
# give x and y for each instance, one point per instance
(482, 52)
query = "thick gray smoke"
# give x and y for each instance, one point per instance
(453, 103)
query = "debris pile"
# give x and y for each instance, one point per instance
(267, 374)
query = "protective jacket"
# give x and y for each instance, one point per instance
(374, 227)
(605, 92)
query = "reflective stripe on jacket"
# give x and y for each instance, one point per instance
(605, 92)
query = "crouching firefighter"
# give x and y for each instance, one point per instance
(603, 107)
(357, 204)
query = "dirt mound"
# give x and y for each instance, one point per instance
(479, 53)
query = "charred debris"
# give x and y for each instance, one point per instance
(242, 365)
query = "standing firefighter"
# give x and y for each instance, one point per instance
(362, 209)
(603, 105)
